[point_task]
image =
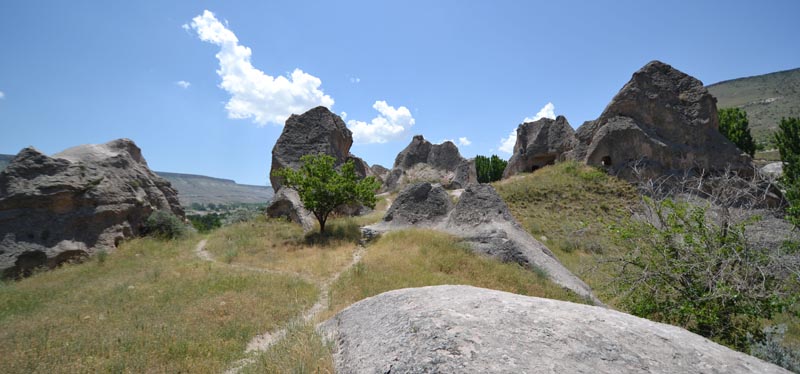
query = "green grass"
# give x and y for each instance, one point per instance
(150, 306)
(572, 209)
(416, 258)
(302, 351)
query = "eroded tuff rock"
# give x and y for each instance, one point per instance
(464, 329)
(663, 120)
(423, 161)
(286, 204)
(317, 131)
(482, 220)
(540, 143)
(75, 203)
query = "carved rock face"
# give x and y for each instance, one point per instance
(540, 143)
(75, 203)
(422, 161)
(663, 120)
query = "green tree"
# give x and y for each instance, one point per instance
(787, 139)
(681, 268)
(734, 125)
(489, 169)
(322, 188)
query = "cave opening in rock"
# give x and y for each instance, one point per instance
(606, 161)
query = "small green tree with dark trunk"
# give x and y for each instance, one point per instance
(788, 141)
(489, 169)
(734, 125)
(323, 188)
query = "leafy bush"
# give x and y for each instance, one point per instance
(164, 225)
(489, 169)
(322, 188)
(734, 125)
(206, 222)
(788, 141)
(684, 269)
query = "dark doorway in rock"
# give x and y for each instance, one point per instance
(606, 161)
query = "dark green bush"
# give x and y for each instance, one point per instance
(165, 225)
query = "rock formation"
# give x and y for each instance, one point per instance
(463, 329)
(75, 203)
(482, 220)
(665, 122)
(313, 132)
(317, 131)
(423, 161)
(540, 143)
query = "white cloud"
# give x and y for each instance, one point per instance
(548, 111)
(507, 144)
(183, 84)
(390, 124)
(343, 115)
(254, 94)
(355, 80)
(185, 26)
(464, 141)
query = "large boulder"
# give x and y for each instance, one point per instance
(317, 131)
(423, 161)
(75, 203)
(664, 122)
(483, 221)
(463, 329)
(540, 143)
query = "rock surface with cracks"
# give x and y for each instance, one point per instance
(80, 201)
(464, 329)
(483, 221)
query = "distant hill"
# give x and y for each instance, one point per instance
(766, 99)
(204, 190)
(201, 189)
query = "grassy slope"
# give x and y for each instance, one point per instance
(572, 209)
(765, 98)
(151, 306)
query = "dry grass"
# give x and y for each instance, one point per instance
(276, 244)
(416, 258)
(151, 306)
(573, 209)
(302, 351)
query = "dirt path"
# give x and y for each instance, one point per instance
(262, 342)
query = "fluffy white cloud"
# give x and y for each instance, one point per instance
(254, 94)
(343, 115)
(548, 111)
(464, 141)
(390, 124)
(183, 84)
(507, 144)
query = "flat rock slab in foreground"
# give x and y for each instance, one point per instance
(463, 329)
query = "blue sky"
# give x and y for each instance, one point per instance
(75, 72)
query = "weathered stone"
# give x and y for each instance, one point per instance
(286, 204)
(664, 122)
(483, 221)
(317, 131)
(80, 201)
(540, 143)
(422, 161)
(419, 203)
(464, 329)
(773, 171)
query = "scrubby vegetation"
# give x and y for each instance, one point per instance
(788, 141)
(163, 224)
(733, 125)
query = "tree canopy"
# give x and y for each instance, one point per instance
(734, 125)
(788, 141)
(323, 188)
(489, 169)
